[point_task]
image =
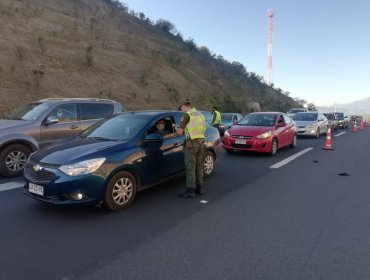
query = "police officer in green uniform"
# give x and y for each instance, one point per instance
(216, 120)
(193, 126)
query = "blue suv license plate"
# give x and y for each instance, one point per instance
(36, 189)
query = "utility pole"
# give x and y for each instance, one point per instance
(269, 47)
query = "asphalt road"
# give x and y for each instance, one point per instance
(299, 221)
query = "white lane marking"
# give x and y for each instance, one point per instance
(203, 201)
(10, 186)
(291, 158)
(339, 134)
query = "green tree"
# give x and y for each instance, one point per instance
(118, 4)
(142, 16)
(166, 26)
(311, 107)
(238, 68)
(191, 46)
(205, 51)
(300, 101)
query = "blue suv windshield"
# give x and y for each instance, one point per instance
(29, 112)
(226, 117)
(120, 128)
(208, 116)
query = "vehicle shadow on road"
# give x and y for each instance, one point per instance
(145, 200)
(247, 154)
(256, 155)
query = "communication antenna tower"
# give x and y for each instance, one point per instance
(269, 47)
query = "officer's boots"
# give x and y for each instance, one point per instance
(200, 190)
(189, 193)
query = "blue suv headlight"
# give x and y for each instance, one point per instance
(82, 167)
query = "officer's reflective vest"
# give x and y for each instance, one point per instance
(196, 127)
(218, 118)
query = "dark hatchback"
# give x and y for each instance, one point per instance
(112, 160)
(343, 120)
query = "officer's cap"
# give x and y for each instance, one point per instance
(185, 102)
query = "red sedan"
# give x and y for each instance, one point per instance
(264, 132)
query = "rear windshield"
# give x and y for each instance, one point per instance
(294, 111)
(340, 115)
(258, 120)
(329, 116)
(308, 117)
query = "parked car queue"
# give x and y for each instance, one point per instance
(267, 132)
(121, 153)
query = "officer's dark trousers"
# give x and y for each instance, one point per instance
(194, 163)
(217, 126)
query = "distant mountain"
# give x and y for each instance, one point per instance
(360, 107)
(325, 109)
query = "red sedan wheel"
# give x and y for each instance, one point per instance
(274, 147)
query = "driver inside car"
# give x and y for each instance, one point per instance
(161, 128)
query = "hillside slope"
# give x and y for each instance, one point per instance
(91, 48)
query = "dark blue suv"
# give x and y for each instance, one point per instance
(112, 160)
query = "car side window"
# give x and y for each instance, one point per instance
(64, 113)
(167, 123)
(287, 119)
(280, 119)
(92, 111)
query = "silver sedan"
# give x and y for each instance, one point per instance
(311, 123)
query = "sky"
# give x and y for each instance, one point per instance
(320, 47)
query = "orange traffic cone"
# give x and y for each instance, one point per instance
(361, 125)
(354, 129)
(328, 140)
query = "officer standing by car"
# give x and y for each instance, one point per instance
(193, 126)
(216, 120)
